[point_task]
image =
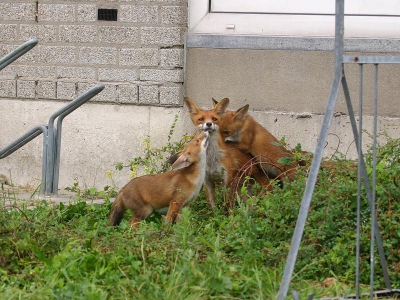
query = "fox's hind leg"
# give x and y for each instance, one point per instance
(141, 211)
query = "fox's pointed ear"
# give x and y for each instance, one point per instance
(215, 102)
(221, 107)
(241, 113)
(192, 107)
(174, 157)
(181, 162)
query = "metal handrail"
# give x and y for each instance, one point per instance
(55, 140)
(51, 134)
(51, 141)
(23, 140)
(18, 52)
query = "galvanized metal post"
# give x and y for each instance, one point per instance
(65, 111)
(340, 78)
(359, 174)
(363, 171)
(312, 177)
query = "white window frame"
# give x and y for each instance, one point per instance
(201, 21)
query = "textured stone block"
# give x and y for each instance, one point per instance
(44, 33)
(127, 93)
(37, 71)
(108, 94)
(56, 12)
(8, 88)
(46, 89)
(10, 72)
(28, 57)
(87, 13)
(66, 90)
(173, 1)
(97, 55)
(118, 35)
(76, 72)
(56, 54)
(26, 89)
(171, 95)
(174, 15)
(175, 75)
(117, 75)
(148, 94)
(162, 36)
(171, 57)
(8, 32)
(139, 57)
(78, 33)
(139, 14)
(5, 49)
(18, 11)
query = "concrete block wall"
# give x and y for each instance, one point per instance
(139, 57)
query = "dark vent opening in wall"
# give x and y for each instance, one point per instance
(104, 14)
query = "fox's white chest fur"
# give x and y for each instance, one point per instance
(214, 154)
(198, 184)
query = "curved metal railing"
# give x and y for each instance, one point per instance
(51, 133)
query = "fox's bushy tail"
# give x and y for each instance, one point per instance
(117, 212)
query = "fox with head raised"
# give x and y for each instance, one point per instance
(173, 190)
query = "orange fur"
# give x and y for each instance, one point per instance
(221, 157)
(250, 137)
(147, 193)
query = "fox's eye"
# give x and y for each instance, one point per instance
(214, 119)
(226, 131)
(201, 119)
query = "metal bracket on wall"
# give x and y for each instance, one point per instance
(338, 80)
(51, 133)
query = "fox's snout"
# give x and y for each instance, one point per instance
(209, 126)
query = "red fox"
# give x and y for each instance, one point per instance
(251, 138)
(208, 120)
(221, 158)
(173, 189)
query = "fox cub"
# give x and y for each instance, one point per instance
(172, 190)
(252, 138)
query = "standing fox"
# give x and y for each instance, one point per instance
(208, 121)
(251, 138)
(173, 189)
(221, 159)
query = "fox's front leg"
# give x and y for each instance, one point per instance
(210, 191)
(173, 211)
(232, 183)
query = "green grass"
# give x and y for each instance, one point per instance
(71, 252)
